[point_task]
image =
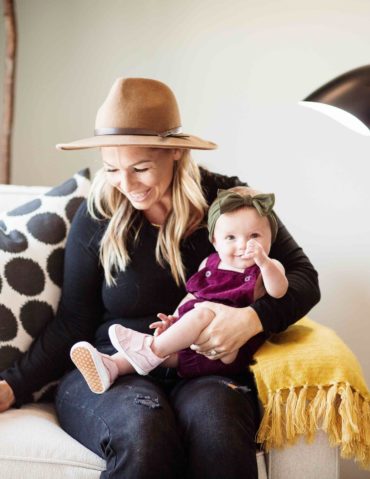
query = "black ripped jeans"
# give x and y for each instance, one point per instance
(161, 428)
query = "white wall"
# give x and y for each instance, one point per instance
(238, 69)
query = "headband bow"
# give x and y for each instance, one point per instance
(228, 201)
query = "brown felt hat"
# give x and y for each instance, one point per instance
(139, 112)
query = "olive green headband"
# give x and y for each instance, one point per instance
(228, 201)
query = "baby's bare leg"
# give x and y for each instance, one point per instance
(124, 367)
(171, 362)
(183, 333)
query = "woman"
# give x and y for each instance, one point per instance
(128, 255)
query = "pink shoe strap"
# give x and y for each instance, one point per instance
(111, 366)
(139, 341)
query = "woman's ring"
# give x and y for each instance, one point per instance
(212, 352)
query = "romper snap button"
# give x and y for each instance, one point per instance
(247, 278)
(208, 274)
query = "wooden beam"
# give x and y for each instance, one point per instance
(9, 90)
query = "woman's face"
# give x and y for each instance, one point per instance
(142, 174)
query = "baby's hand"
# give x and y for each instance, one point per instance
(165, 322)
(255, 251)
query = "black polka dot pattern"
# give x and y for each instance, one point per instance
(34, 315)
(64, 189)
(14, 242)
(25, 276)
(85, 173)
(32, 242)
(54, 233)
(55, 266)
(72, 207)
(26, 208)
(8, 324)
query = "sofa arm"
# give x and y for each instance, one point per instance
(34, 446)
(309, 461)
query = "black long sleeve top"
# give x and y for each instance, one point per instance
(88, 306)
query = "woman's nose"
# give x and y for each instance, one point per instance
(125, 181)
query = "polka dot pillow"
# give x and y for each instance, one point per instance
(32, 240)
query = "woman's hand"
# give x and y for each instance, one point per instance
(7, 398)
(230, 329)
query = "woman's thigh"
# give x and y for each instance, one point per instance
(131, 426)
(218, 420)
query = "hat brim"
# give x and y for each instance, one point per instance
(186, 141)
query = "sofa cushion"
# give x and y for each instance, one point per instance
(15, 195)
(32, 240)
(34, 445)
(37, 447)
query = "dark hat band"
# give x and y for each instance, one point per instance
(139, 131)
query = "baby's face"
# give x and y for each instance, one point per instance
(233, 231)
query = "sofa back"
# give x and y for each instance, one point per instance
(12, 196)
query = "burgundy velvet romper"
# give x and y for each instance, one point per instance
(232, 289)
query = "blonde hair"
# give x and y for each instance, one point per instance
(245, 190)
(105, 202)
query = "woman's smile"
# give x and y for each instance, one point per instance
(138, 197)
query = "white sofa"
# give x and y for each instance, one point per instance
(34, 446)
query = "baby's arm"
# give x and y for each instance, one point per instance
(274, 279)
(272, 271)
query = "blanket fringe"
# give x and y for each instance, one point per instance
(339, 410)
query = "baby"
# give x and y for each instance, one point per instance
(242, 227)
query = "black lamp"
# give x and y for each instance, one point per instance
(346, 99)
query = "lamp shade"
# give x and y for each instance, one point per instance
(345, 98)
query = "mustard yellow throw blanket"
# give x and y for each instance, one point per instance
(308, 379)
